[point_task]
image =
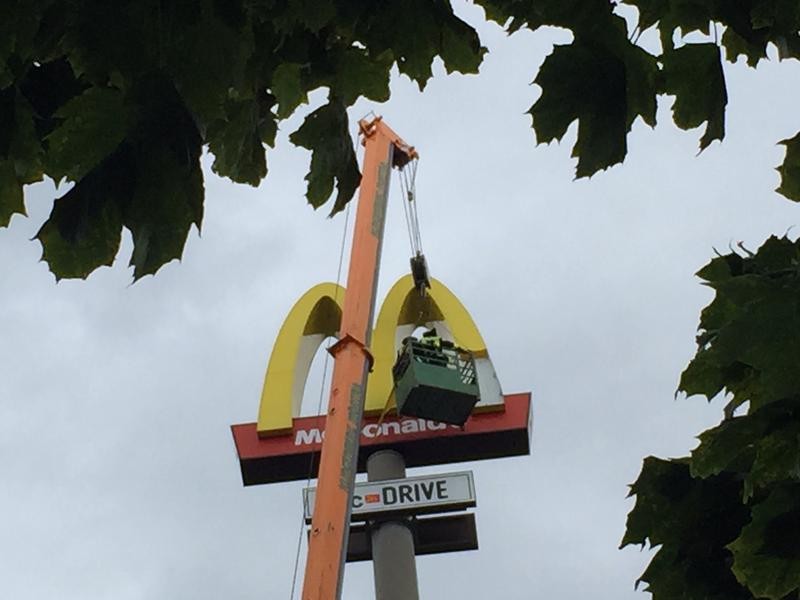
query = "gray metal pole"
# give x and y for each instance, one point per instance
(393, 560)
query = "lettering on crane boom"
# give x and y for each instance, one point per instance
(418, 495)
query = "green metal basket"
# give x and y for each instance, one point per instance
(439, 384)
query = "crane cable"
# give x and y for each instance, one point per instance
(319, 409)
(408, 180)
(408, 187)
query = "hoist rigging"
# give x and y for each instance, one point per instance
(433, 378)
(419, 265)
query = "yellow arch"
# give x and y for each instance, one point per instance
(316, 316)
(404, 306)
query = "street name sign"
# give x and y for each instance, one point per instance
(418, 495)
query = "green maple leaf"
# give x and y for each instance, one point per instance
(777, 257)
(781, 15)
(20, 152)
(288, 88)
(326, 133)
(11, 197)
(641, 83)
(736, 45)
(764, 13)
(686, 15)
(167, 201)
(461, 49)
(764, 444)
(722, 268)
(168, 197)
(788, 45)
(592, 81)
(693, 74)
(311, 15)
(650, 11)
(236, 143)
(356, 73)
(777, 456)
(751, 26)
(92, 126)
(348, 71)
(84, 228)
(510, 14)
(207, 59)
(790, 170)
(101, 39)
(692, 520)
(382, 30)
(152, 184)
(577, 15)
(750, 334)
(20, 22)
(722, 446)
(704, 375)
(19, 140)
(436, 31)
(767, 553)
(678, 572)
(660, 484)
(47, 87)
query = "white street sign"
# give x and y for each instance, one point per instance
(425, 494)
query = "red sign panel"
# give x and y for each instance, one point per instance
(295, 456)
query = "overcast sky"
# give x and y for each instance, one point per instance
(119, 474)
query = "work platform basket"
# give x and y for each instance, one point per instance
(435, 383)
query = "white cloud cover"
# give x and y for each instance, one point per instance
(120, 479)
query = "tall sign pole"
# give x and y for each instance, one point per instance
(394, 562)
(338, 462)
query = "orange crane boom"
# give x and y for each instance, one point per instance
(330, 524)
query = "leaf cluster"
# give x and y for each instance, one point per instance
(605, 81)
(121, 98)
(727, 518)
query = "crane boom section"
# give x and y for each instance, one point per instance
(331, 518)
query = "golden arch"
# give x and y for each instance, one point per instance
(318, 314)
(404, 310)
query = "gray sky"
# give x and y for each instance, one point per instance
(120, 478)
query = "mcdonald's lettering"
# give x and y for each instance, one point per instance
(387, 429)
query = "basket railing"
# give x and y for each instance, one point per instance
(448, 356)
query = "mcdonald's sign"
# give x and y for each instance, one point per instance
(281, 445)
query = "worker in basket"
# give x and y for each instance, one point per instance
(431, 339)
(434, 379)
(436, 350)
